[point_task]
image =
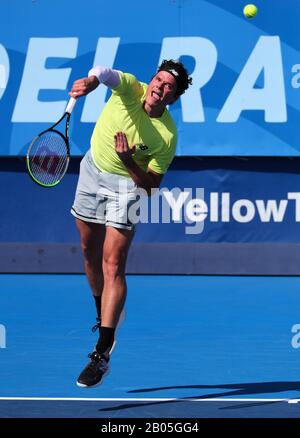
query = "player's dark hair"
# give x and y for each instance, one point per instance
(177, 69)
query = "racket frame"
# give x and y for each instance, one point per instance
(66, 140)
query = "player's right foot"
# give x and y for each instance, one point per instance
(98, 366)
(95, 370)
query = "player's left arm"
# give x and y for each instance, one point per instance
(147, 180)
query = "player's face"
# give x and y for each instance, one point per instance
(162, 90)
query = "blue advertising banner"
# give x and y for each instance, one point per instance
(207, 200)
(211, 215)
(246, 72)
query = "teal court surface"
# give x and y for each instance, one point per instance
(190, 347)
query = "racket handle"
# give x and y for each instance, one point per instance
(70, 105)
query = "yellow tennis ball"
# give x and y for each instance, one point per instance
(250, 11)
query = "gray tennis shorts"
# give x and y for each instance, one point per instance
(104, 198)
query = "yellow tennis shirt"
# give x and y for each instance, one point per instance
(155, 138)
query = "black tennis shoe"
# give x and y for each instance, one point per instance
(95, 370)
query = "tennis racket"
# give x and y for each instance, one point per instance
(48, 155)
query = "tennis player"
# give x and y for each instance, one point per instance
(132, 146)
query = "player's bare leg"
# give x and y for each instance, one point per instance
(115, 250)
(92, 238)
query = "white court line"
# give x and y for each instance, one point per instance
(288, 400)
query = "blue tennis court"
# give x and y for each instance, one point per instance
(190, 346)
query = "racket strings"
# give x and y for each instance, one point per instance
(48, 158)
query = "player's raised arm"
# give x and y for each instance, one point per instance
(97, 75)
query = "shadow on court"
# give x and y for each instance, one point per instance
(237, 390)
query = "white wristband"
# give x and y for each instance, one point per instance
(105, 75)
